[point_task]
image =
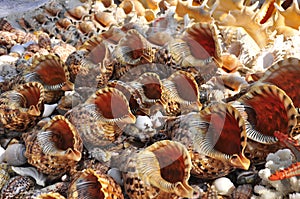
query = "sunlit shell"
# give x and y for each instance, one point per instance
(161, 170)
(56, 148)
(105, 19)
(181, 93)
(91, 183)
(21, 107)
(289, 69)
(133, 6)
(207, 134)
(134, 49)
(50, 71)
(263, 119)
(17, 187)
(77, 12)
(101, 118)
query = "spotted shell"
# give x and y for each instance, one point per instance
(50, 71)
(279, 114)
(4, 177)
(289, 69)
(181, 93)
(91, 183)
(101, 118)
(16, 187)
(21, 107)
(134, 49)
(206, 135)
(151, 172)
(54, 149)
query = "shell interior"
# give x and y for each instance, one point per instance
(151, 85)
(33, 94)
(97, 50)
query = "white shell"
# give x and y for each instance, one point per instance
(48, 109)
(156, 119)
(144, 123)
(224, 186)
(40, 178)
(116, 175)
(17, 49)
(14, 155)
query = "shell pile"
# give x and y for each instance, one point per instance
(145, 98)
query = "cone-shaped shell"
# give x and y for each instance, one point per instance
(56, 148)
(101, 118)
(160, 170)
(21, 107)
(265, 109)
(207, 134)
(134, 49)
(181, 93)
(285, 75)
(91, 183)
(52, 73)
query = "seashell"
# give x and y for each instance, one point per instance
(91, 183)
(48, 110)
(206, 133)
(78, 12)
(105, 19)
(101, 118)
(195, 12)
(63, 51)
(17, 49)
(149, 15)
(86, 27)
(39, 178)
(242, 192)
(56, 148)
(150, 172)
(288, 68)
(50, 195)
(14, 155)
(50, 71)
(223, 186)
(279, 114)
(44, 41)
(4, 177)
(116, 175)
(53, 8)
(181, 93)
(133, 6)
(113, 35)
(21, 107)
(134, 49)
(16, 187)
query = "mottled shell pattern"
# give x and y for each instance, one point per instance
(52, 73)
(56, 148)
(279, 113)
(20, 108)
(161, 170)
(91, 183)
(206, 134)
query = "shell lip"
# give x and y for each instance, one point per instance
(240, 161)
(68, 86)
(34, 111)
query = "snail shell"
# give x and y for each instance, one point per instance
(14, 155)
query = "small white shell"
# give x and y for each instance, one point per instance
(17, 49)
(39, 177)
(143, 123)
(48, 109)
(14, 155)
(224, 186)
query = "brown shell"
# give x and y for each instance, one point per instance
(161, 170)
(134, 49)
(21, 107)
(207, 134)
(91, 183)
(56, 148)
(244, 191)
(263, 119)
(101, 118)
(16, 187)
(50, 71)
(181, 93)
(44, 41)
(284, 75)
(50, 195)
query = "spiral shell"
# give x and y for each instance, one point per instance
(279, 114)
(151, 172)
(21, 107)
(206, 134)
(16, 187)
(181, 93)
(14, 155)
(50, 71)
(56, 148)
(91, 183)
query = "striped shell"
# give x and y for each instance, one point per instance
(206, 134)
(161, 170)
(50, 71)
(263, 119)
(91, 183)
(56, 148)
(21, 107)
(101, 118)
(181, 93)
